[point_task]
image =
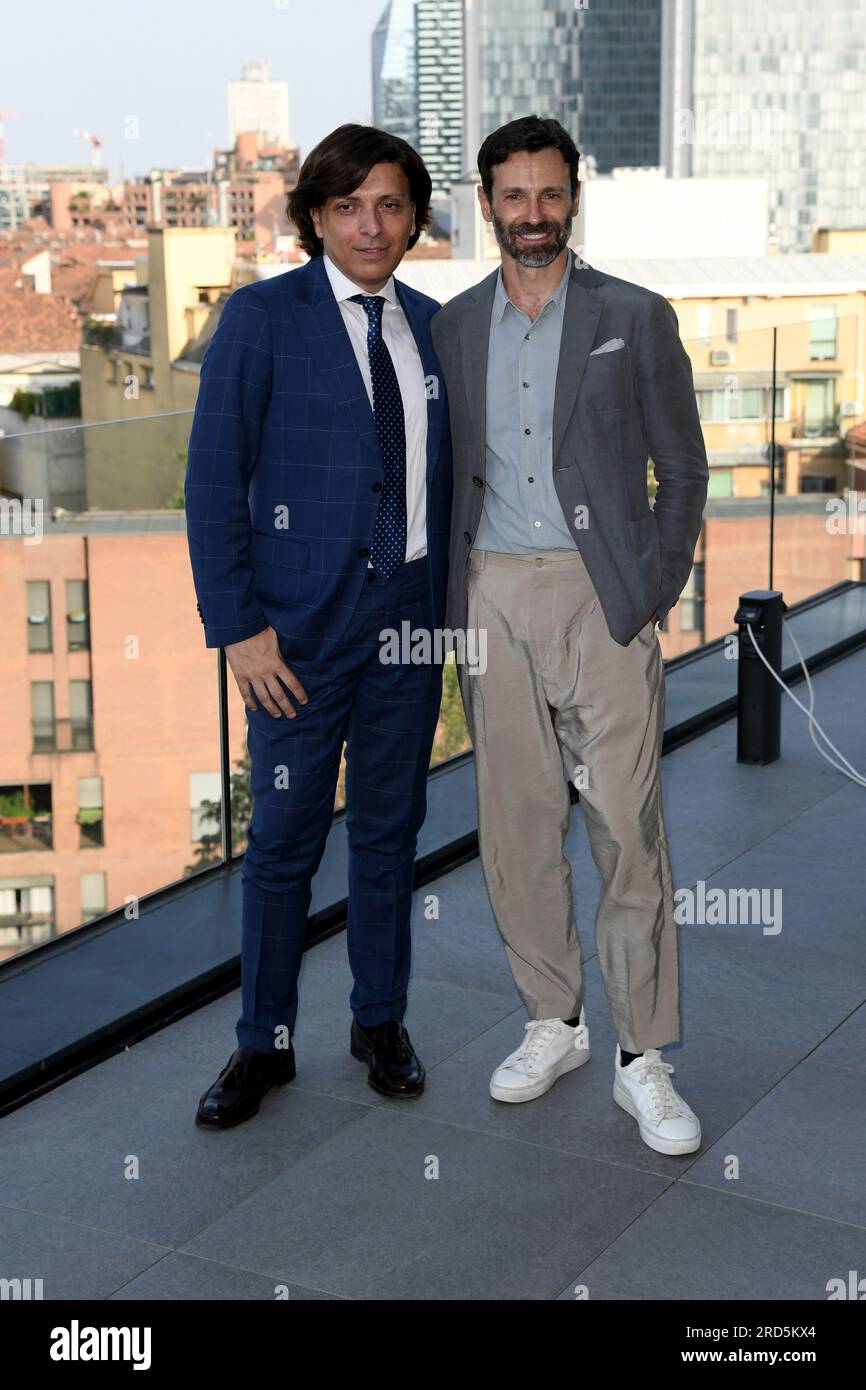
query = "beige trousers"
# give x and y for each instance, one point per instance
(556, 699)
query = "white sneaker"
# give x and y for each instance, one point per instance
(643, 1088)
(549, 1048)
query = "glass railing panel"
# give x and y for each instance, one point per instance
(109, 745)
(785, 413)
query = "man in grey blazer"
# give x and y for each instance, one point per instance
(562, 382)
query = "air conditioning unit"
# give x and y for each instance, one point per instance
(721, 357)
(847, 407)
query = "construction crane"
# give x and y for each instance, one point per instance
(3, 115)
(96, 141)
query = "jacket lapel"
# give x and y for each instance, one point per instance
(582, 312)
(474, 325)
(320, 323)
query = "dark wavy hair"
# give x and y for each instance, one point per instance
(342, 161)
(529, 133)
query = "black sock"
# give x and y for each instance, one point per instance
(626, 1057)
(572, 1022)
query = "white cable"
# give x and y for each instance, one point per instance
(813, 723)
(847, 770)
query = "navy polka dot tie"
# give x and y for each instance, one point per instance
(389, 535)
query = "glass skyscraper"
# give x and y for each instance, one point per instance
(395, 82)
(595, 69)
(440, 90)
(418, 82)
(780, 94)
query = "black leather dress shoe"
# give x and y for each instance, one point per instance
(245, 1078)
(393, 1066)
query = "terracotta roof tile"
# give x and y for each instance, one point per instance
(48, 322)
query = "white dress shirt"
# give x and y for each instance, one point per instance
(401, 344)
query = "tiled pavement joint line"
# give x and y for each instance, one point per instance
(779, 1206)
(244, 1269)
(555, 1148)
(684, 1176)
(138, 1274)
(89, 1226)
(743, 1197)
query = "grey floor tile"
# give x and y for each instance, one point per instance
(325, 1191)
(693, 1243)
(789, 902)
(74, 1261)
(802, 1146)
(441, 1017)
(501, 1221)
(737, 805)
(846, 1046)
(67, 1154)
(178, 1277)
(718, 1078)
(764, 990)
(833, 830)
(461, 946)
(205, 1038)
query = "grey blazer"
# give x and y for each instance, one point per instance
(612, 410)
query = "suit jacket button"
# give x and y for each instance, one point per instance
(466, 536)
(479, 482)
(376, 487)
(363, 551)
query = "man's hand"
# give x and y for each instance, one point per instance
(256, 663)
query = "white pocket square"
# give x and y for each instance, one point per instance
(610, 346)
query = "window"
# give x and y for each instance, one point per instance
(77, 617)
(92, 894)
(42, 716)
(692, 602)
(706, 403)
(204, 787)
(731, 325)
(25, 816)
(81, 715)
(817, 482)
(718, 405)
(746, 404)
(820, 407)
(721, 482)
(26, 911)
(38, 615)
(822, 331)
(90, 812)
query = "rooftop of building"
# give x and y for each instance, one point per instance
(325, 1189)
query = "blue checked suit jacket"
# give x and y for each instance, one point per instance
(283, 432)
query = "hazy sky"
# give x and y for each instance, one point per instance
(92, 64)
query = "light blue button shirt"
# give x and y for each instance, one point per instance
(521, 510)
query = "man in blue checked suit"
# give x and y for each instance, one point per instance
(318, 500)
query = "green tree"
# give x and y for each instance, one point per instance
(209, 848)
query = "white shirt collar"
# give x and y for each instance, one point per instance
(344, 288)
